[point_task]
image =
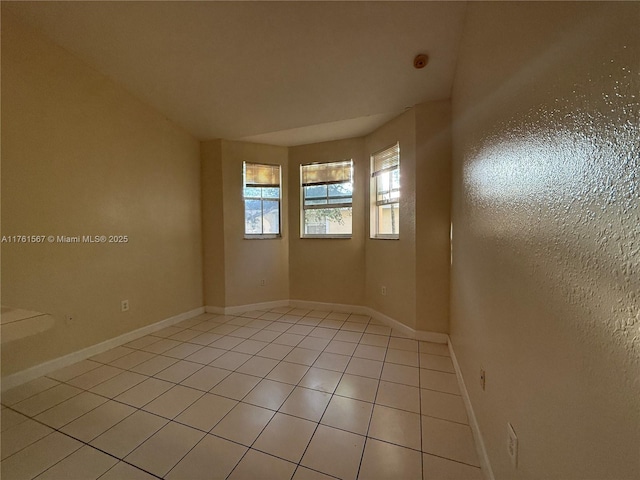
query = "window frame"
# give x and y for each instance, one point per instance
(375, 202)
(262, 199)
(325, 206)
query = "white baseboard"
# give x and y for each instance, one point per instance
(485, 465)
(244, 308)
(36, 371)
(334, 307)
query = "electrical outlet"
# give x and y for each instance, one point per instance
(512, 445)
(263, 282)
(124, 306)
(483, 378)
(383, 290)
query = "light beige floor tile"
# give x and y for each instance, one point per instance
(365, 368)
(243, 424)
(84, 464)
(269, 394)
(44, 400)
(129, 361)
(383, 461)
(300, 330)
(212, 458)
(19, 436)
(167, 332)
(320, 379)
(434, 348)
(258, 366)
(27, 390)
(124, 471)
(374, 340)
(236, 386)
(395, 426)
(67, 373)
(290, 339)
(399, 396)
(402, 357)
(436, 362)
(271, 316)
(266, 336)
(288, 373)
(206, 412)
(302, 356)
(340, 347)
(39, 456)
(449, 440)
(239, 321)
(173, 402)
(244, 332)
(250, 347)
(71, 409)
(190, 322)
(378, 329)
(370, 352)
(354, 317)
(360, 388)
(97, 421)
(301, 312)
(118, 384)
(281, 310)
(206, 378)
(408, 345)
(280, 326)
(318, 314)
(314, 343)
(443, 405)
(11, 419)
(304, 473)
(439, 381)
(323, 332)
(346, 336)
(182, 351)
(276, 352)
(353, 327)
(126, 436)
(306, 403)
(161, 346)
(142, 342)
(348, 414)
(144, 392)
(165, 449)
(154, 365)
(258, 465)
(226, 329)
(341, 316)
(205, 326)
(285, 437)
(185, 335)
(436, 468)
(111, 355)
(206, 355)
(230, 360)
(331, 323)
(401, 374)
(334, 452)
(94, 377)
(332, 361)
(205, 338)
(177, 372)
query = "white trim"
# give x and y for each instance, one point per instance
(244, 308)
(36, 371)
(434, 337)
(485, 465)
(333, 307)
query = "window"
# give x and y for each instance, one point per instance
(327, 190)
(261, 194)
(385, 193)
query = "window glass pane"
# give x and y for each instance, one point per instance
(252, 192)
(388, 219)
(253, 216)
(341, 190)
(271, 217)
(328, 221)
(315, 191)
(271, 192)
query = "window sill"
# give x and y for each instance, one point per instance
(385, 237)
(262, 237)
(327, 236)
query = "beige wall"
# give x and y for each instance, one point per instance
(328, 270)
(233, 265)
(545, 246)
(433, 215)
(80, 156)
(391, 263)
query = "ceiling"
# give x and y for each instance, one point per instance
(283, 73)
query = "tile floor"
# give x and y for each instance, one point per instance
(281, 394)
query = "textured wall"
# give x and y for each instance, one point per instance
(81, 156)
(546, 242)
